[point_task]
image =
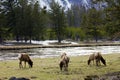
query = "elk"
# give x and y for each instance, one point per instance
(97, 57)
(25, 58)
(64, 62)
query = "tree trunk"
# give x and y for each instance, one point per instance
(1, 40)
(30, 38)
(59, 36)
(59, 39)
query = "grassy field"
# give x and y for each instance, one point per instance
(48, 68)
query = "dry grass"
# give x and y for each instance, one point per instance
(48, 68)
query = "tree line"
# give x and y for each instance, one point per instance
(24, 20)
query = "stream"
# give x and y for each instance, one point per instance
(53, 52)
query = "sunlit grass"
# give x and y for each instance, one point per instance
(48, 68)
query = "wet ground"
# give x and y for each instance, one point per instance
(108, 76)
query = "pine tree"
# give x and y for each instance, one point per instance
(91, 23)
(58, 19)
(113, 18)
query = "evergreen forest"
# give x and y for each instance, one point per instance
(24, 20)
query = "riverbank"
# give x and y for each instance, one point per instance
(56, 45)
(48, 69)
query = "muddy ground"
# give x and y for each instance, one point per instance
(108, 76)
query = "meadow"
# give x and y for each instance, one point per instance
(48, 68)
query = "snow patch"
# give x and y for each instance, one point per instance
(47, 42)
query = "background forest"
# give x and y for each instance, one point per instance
(26, 20)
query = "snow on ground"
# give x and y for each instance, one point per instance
(46, 42)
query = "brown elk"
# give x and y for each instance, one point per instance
(64, 62)
(25, 58)
(97, 57)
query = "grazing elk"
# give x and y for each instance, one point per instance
(64, 62)
(97, 57)
(25, 58)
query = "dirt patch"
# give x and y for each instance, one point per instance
(22, 78)
(108, 76)
(3, 78)
(33, 77)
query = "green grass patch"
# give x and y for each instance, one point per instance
(48, 68)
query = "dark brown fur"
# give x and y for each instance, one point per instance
(25, 58)
(64, 62)
(97, 57)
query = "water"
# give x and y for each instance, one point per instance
(53, 52)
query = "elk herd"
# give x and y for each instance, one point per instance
(64, 61)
